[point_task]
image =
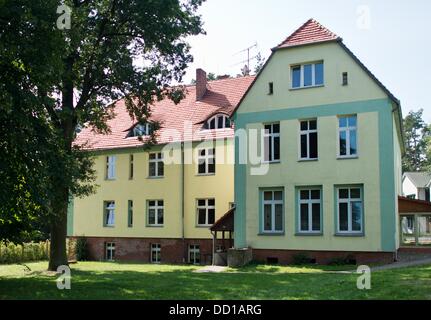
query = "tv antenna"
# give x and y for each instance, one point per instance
(248, 56)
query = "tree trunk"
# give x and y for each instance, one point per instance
(57, 253)
(58, 226)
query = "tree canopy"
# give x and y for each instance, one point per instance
(54, 80)
(418, 143)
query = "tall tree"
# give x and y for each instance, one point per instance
(417, 135)
(260, 62)
(87, 66)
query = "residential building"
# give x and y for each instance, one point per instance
(332, 143)
(416, 185)
(150, 206)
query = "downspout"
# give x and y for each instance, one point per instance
(182, 203)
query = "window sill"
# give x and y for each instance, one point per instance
(205, 174)
(201, 226)
(309, 234)
(154, 226)
(308, 87)
(155, 178)
(110, 227)
(347, 157)
(271, 162)
(338, 234)
(271, 234)
(106, 179)
(308, 160)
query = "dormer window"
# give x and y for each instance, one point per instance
(219, 121)
(141, 130)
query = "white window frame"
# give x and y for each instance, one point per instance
(156, 208)
(347, 129)
(206, 159)
(307, 133)
(271, 137)
(110, 247)
(349, 202)
(157, 249)
(111, 167)
(310, 203)
(207, 207)
(215, 118)
(108, 209)
(195, 250)
(159, 158)
(313, 75)
(273, 203)
(141, 130)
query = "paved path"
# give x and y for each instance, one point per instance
(402, 264)
(209, 269)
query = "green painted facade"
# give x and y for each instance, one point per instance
(376, 169)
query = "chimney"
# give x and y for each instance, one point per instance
(201, 84)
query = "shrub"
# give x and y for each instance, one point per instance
(17, 253)
(302, 258)
(81, 249)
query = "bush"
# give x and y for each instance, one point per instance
(302, 258)
(17, 253)
(81, 249)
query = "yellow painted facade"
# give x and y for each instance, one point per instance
(88, 212)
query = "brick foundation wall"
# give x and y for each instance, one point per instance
(175, 251)
(321, 257)
(139, 249)
(418, 250)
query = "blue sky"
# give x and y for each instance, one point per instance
(391, 37)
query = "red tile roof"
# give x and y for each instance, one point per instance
(221, 96)
(310, 32)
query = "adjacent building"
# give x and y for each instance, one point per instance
(416, 185)
(331, 137)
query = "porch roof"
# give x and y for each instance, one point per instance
(406, 205)
(225, 223)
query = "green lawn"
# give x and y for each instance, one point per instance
(97, 280)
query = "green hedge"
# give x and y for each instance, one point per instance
(16, 253)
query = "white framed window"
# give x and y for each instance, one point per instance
(110, 167)
(206, 161)
(308, 140)
(110, 251)
(156, 165)
(140, 130)
(272, 211)
(307, 75)
(347, 136)
(109, 214)
(156, 253)
(194, 254)
(310, 202)
(130, 213)
(350, 210)
(155, 213)
(205, 212)
(219, 121)
(271, 142)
